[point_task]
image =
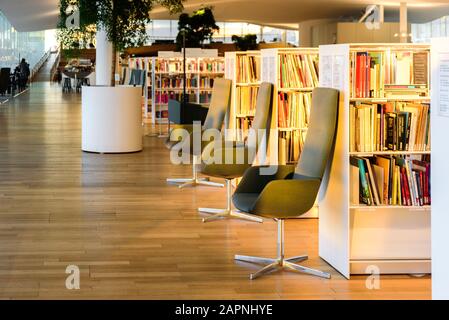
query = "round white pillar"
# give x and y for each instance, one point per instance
(103, 63)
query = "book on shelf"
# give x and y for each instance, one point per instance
(298, 70)
(398, 126)
(162, 97)
(390, 180)
(177, 82)
(401, 74)
(248, 69)
(243, 126)
(246, 98)
(294, 109)
(212, 66)
(175, 65)
(205, 97)
(290, 146)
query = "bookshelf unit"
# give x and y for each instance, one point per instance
(243, 68)
(291, 98)
(168, 80)
(146, 64)
(388, 234)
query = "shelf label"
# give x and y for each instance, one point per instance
(444, 85)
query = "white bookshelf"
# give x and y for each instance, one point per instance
(270, 72)
(170, 66)
(440, 171)
(231, 73)
(353, 238)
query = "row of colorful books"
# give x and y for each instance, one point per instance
(400, 126)
(248, 69)
(192, 65)
(162, 97)
(294, 109)
(205, 97)
(290, 145)
(393, 180)
(298, 70)
(192, 82)
(389, 74)
(246, 98)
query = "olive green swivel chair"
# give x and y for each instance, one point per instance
(218, 109)
(230, 159)
(291, 192)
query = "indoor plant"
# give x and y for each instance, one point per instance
(197, 28)
(246, 42)
(111, 116)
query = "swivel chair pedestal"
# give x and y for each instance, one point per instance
(218, 214)
(280, 262)
(195, 180)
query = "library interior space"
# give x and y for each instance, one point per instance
(161, 149)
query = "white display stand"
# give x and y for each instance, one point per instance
(111, 119)
(356, 238)
(440, 170)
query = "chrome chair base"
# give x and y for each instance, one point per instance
(192, 182)
(195, 180)
(218, 214)
(281, 264)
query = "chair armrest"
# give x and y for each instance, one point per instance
(287, 198)
(256, 178)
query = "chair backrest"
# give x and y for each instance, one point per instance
(264, 101)
(257, 143)
(219, 104)
(320, 138)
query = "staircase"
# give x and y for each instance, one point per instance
(45, 71)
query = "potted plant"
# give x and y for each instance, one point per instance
(196, 28)
(246, 42)
(111, 115)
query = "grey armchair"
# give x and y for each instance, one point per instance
(291, 192)
(218, 108)
(236, 157)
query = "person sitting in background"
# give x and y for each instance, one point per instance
(24, 74)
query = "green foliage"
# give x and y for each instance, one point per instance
(124, 20)
(246, 42)
(198, 27)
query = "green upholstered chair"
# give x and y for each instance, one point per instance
(218, 108)
(236, 157)
(291, 192)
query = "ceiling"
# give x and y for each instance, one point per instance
(34, 15)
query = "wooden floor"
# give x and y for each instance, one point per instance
(131, 234)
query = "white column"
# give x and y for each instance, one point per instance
(103, 61)
(403, 23)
